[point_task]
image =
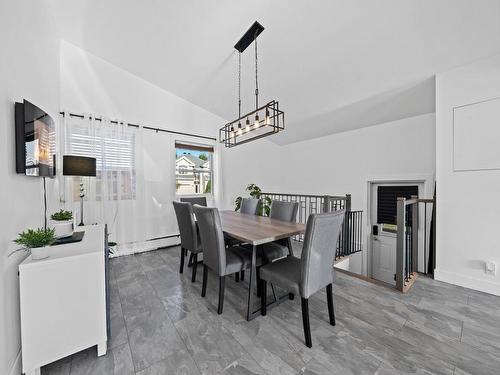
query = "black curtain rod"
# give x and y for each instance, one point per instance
(144, 127)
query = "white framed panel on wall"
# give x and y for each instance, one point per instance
(476, 133)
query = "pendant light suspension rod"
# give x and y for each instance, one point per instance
(256, 76)
(239, 84)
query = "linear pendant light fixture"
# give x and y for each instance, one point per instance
(255, 127)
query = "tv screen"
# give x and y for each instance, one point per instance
(35, 141)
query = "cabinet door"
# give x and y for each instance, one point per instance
(62, 308)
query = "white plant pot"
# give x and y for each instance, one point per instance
(38, 253)
(62, 228)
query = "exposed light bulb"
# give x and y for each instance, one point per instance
(248, 122)
(257, 123)
(268, 119)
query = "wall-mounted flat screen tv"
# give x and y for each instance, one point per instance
(35, 141)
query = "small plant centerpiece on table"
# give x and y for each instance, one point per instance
(255, 192)
(37, 240)
(62, 222)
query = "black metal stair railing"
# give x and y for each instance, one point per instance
(350, 238)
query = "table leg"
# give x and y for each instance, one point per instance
(251, 314)
(251, 281)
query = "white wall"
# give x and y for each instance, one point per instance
(468, 203)
(29, 68)
(251, 163)
(89, 84)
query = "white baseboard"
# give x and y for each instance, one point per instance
(467, 282)
(16, 368)
(141, 247)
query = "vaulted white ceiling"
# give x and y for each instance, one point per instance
(334, 65)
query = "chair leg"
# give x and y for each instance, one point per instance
(259, 292)
(263, 297)
(190, 262)
(305, 321)
(195, 264)
(242, 275)
(329, 297)
(222, 284)
(290, 247)
(204, 285)
(237, 277)
(181, 270)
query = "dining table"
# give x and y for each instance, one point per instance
(256, 231)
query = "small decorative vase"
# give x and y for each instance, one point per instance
(62, 228)
(38, 253)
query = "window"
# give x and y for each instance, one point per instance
(387, 197)
(193, 169)
(114, 151)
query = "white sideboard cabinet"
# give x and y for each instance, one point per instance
(64, 300)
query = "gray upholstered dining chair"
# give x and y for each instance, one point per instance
(190, 239)
(202, 201)
(221, 260)
(250, 206)
(312, 271)
(284, 211)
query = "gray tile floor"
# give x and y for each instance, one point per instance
(161, 325)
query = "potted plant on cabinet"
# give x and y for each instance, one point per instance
(37, 241)
(62, 222)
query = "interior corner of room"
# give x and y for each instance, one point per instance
(262, 124)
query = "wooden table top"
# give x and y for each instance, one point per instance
(257, 230)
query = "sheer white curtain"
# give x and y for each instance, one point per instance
(135, 183)
(115, 196)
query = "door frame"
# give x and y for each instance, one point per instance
(426, 190)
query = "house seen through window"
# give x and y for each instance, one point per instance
(193, 169)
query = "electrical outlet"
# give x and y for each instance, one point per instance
(490, 267)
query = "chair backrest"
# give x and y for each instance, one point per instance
(212, 238)
(250, 206)
(187, 226)
(285, 211)
(318, 252)
(202, 201)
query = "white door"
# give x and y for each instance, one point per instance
(384, 256)
(383, 233)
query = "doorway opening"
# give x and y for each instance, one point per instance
(383, 229)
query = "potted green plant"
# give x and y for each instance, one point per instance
(255, 192)
(62, 222)
(37, 240)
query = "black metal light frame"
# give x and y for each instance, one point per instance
(231, 135)
(241, 131)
